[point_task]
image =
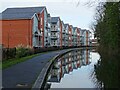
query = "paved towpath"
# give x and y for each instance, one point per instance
(25, 73)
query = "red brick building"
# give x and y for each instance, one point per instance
(26, 26)
(17, 30)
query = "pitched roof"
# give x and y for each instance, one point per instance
(79, 29)
(23, 10)
(74, 28)
(54, 19)
(66, 25)
(20, 13)
(63, 23)
(16, 16)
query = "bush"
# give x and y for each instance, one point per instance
(12, 52)
(22, 51)
(8, 53)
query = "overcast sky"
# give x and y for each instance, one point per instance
(74, 12)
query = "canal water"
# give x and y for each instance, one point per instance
(74, 70)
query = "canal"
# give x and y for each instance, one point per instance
(74, 70)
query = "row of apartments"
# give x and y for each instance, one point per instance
(34, 27)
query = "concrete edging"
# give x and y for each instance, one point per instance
(40, 80)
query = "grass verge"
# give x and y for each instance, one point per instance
(14, 61)
(11, 62)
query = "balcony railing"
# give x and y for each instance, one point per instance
(54, 30)
(54, 44)
(64, 32)
(54, 37)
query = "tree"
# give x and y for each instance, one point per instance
(107, 27)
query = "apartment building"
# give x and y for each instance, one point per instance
(20, 29)
(67, 35)
(86, 35)
(43, 25)
(78, 38)
(18, 14)
(55, 31)
(63, 35)
(70, 36)
(75, 36)
(34, 27)
(48, 36)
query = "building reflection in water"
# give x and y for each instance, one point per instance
(68, 62)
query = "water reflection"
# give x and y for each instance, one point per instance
(67, 64)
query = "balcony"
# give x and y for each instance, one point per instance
(36, 34)
(64, 32)
(63, 38)
(54, 30)
(54, 44)
(54, 37)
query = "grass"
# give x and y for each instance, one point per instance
(11, 62)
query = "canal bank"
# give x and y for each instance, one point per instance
(23, 75)
(40, 83)
(73, 70)
(41, 80)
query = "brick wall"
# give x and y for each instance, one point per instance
(15, 32)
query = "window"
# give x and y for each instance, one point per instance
(41, 20)
(54, 27)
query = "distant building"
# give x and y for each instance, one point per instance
(75, 36)
(63, 35)
(78, 37)
(67, 34)
(86, 35)
(71, 36)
